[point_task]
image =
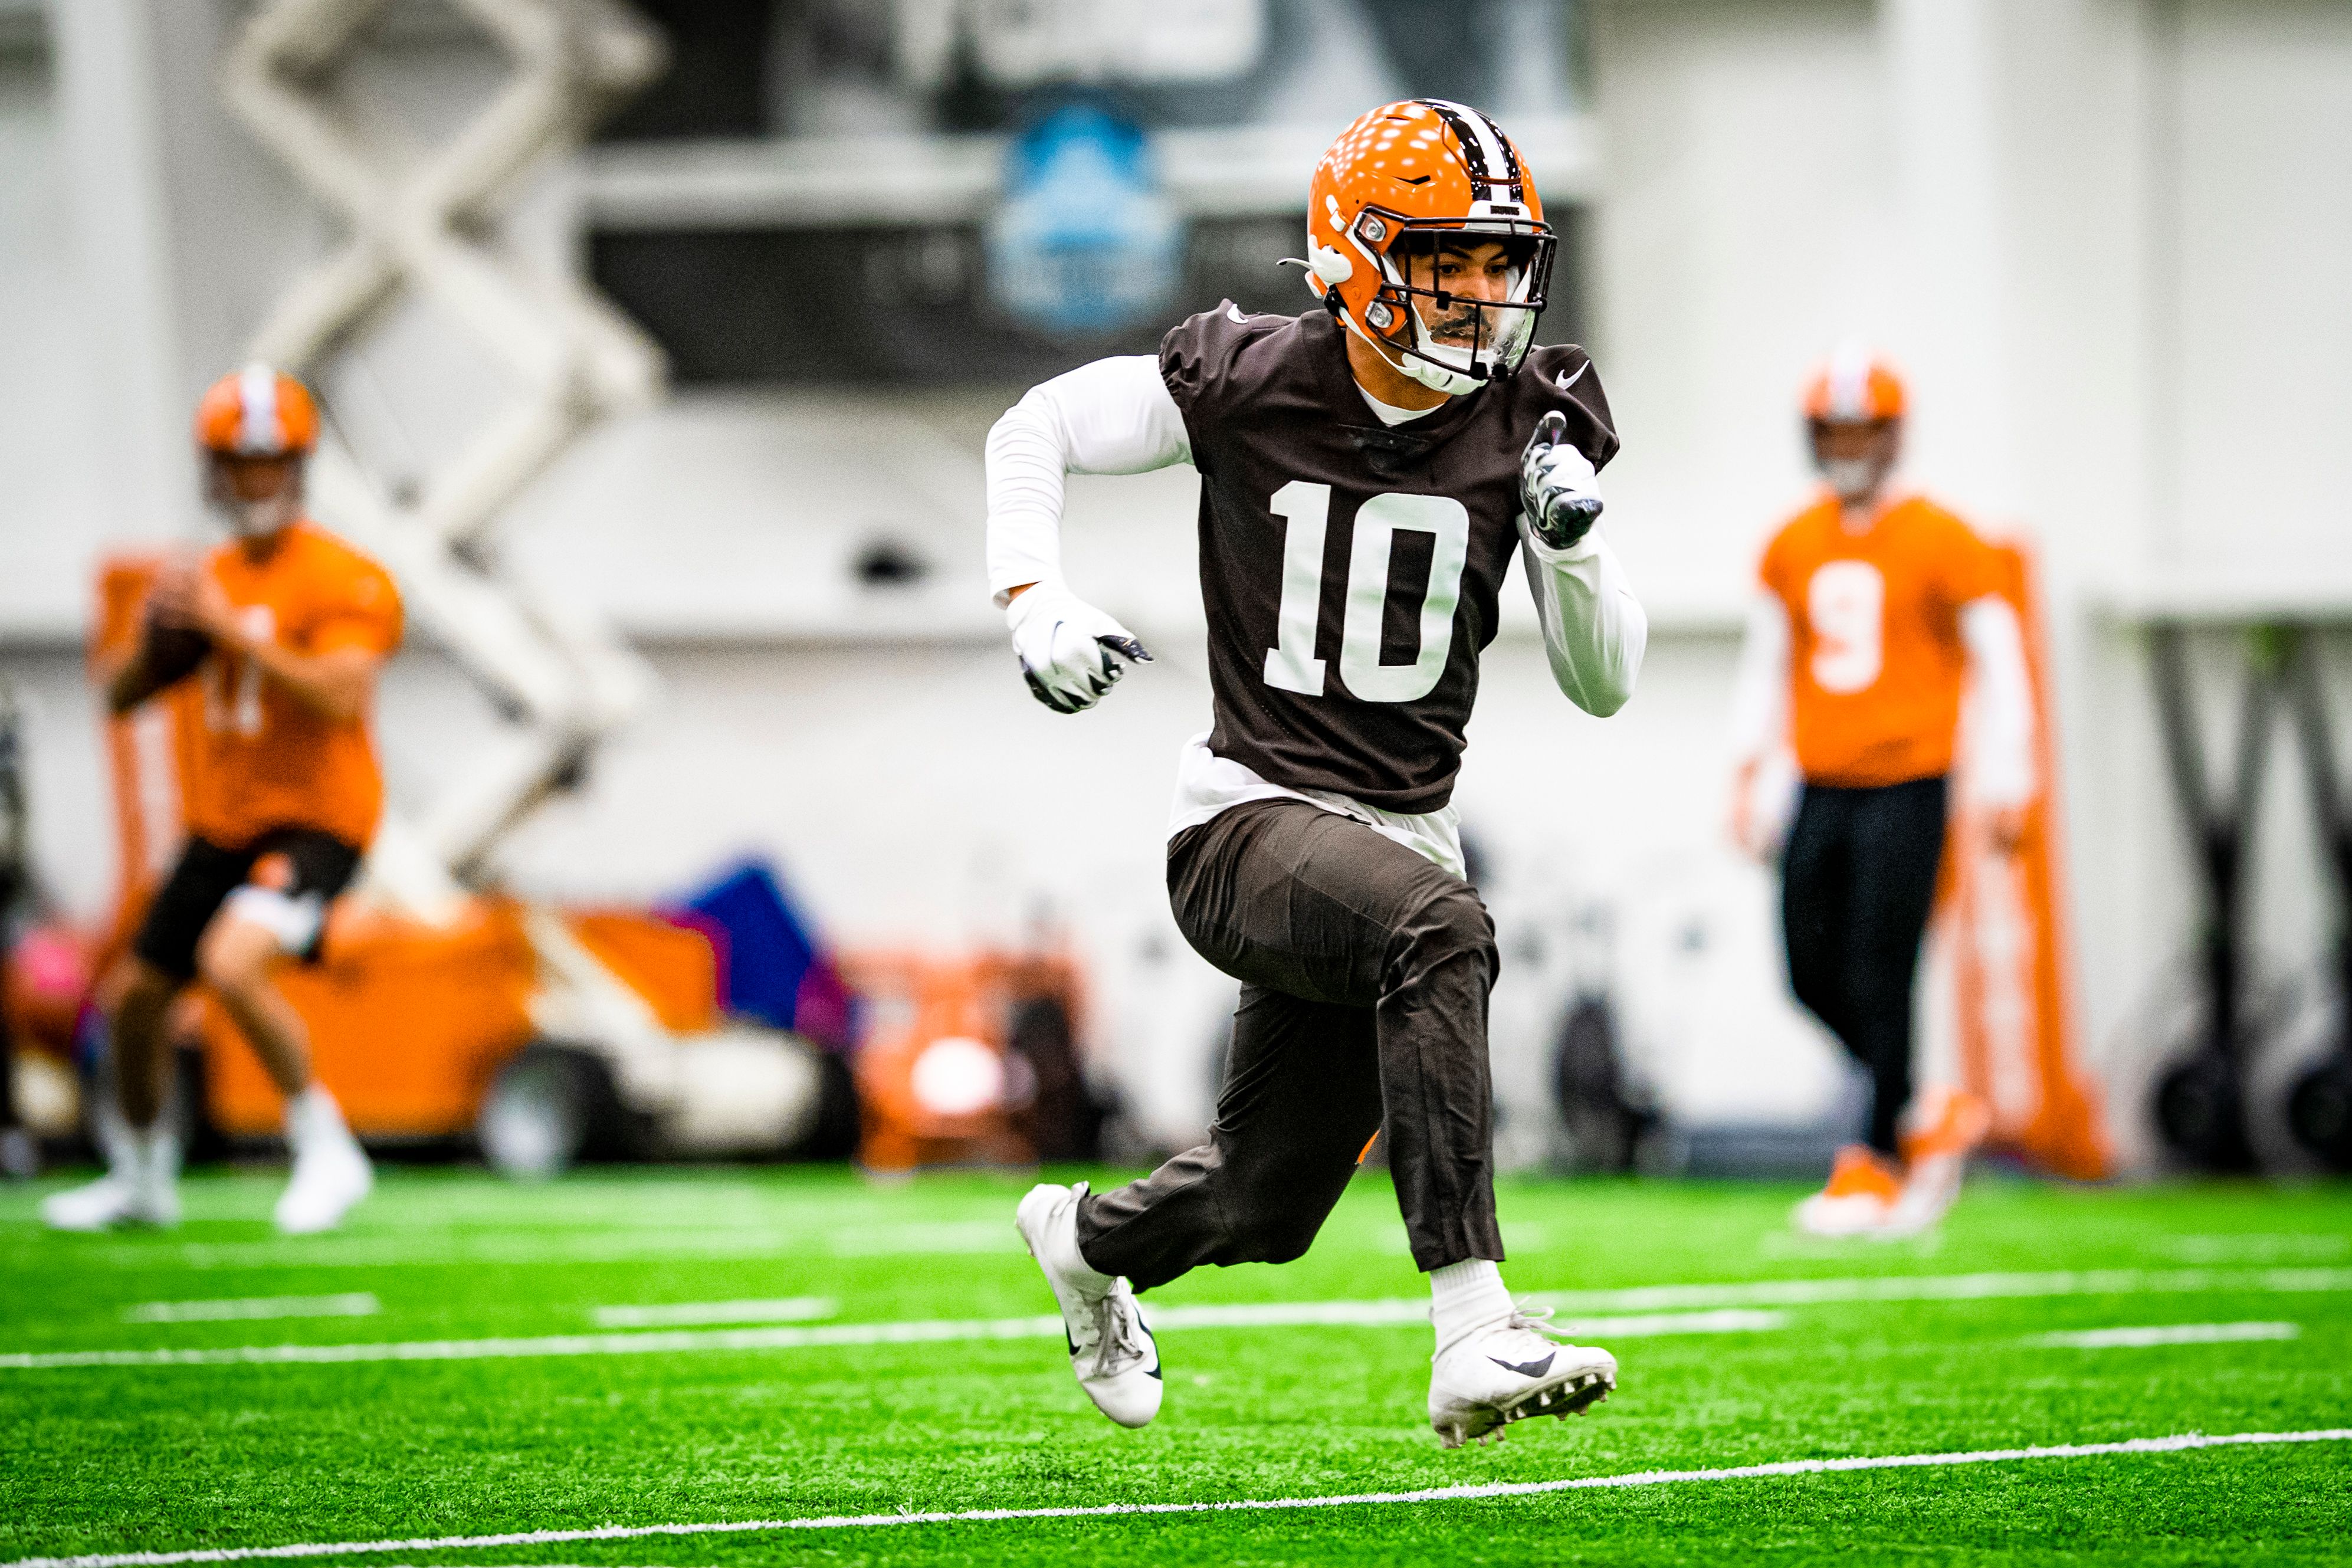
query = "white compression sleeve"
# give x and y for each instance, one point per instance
(1759, 691)
(1113, 417)
(1594, 630)
(2001, 772)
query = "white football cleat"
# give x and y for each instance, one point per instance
(142, 1188)
(1111, 1349)
(1518, 1368)
(113, 1199)
(329, 1176)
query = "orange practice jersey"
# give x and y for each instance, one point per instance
(252, 755)
(1876, 658)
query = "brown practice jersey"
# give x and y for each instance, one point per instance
(1350, 570)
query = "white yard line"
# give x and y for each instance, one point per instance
(2174, 1444)
(462, 1246)
(680, 1314)
(1647, 1310)
(1957, 1288)
(2165, 1334)
(2277, 1246)
(1338, 1315)
(1395, 1313)
(356, 1304)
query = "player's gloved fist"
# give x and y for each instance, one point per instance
(1557, 487)
(1069, 651)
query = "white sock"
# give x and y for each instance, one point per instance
(1464, 1298)
(313, 1119)
(1074, 1265)
(154, 1156)
(115, 1139)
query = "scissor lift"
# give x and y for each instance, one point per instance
(428, 225)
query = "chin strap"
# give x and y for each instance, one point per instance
(1451, 380)
(1403, 360)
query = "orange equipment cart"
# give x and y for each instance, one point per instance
(939, 1077)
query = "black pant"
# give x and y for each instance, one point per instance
(1856, 885)
(1365, 971)
(299, 864)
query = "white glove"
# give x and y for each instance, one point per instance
(1557, 487)
(1070, 650)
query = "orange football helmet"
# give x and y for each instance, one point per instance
(1855, 387)
(258, 412)
(1396, 184)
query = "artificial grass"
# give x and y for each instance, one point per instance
(107, 1459)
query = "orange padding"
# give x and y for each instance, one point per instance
(670, 966)
(2004, 920)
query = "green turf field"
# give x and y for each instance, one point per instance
(492, 1396)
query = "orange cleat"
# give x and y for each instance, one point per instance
(1948, 1125)
(1859, 1199)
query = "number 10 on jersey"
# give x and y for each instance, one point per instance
(1306, 510)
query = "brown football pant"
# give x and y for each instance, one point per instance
(1365, 971)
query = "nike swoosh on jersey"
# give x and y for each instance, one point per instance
(1527, 1368)
(1233, 312)
(1562, 380)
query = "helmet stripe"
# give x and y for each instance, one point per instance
(259, 432)
(1484, 148)
(1512, 174)
(1849, 378)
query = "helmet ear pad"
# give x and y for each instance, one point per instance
(1329, 265)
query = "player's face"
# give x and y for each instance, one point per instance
(256, 496)
(1486, 270)
(1855, 455)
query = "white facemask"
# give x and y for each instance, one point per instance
(1853, 480)
(261, 519)
(255, 519)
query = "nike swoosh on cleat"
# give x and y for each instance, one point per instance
(1527, 1368)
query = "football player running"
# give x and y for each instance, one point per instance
(272, 642)
(1872, 606)
(1369, 470)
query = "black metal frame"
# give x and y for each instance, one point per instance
(2319, 1106)
(2200, 1101)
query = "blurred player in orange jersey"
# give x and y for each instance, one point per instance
(283, 630)
(1875, 607)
